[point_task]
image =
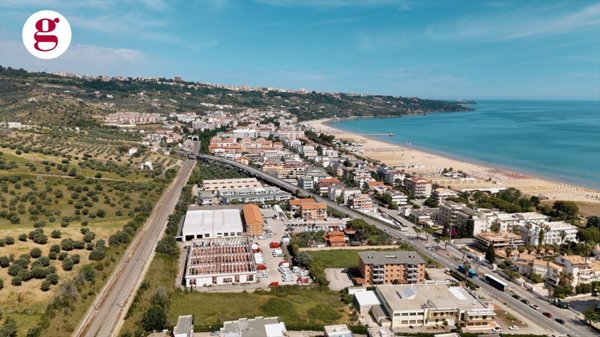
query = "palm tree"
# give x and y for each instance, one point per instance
(563, 235)
(467, 266)
(529, 249)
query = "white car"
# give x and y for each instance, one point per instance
(535, 306)
(513, 327)
(497, 329)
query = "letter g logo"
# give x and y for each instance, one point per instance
(46, 34)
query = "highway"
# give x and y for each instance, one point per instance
(573, 327)
(105, 316)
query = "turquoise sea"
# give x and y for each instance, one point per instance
(552, 139)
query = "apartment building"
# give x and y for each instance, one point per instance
(429, 305)
(315, 211)
(385, 267)
(215, 185)
(418, 187)
(253, 220)
(440, 194)
(499, 240)
(360, 202)
(306, 182)
(555, 232)
(583, 269)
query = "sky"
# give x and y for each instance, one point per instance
(442, 49)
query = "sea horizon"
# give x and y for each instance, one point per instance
(531, 120)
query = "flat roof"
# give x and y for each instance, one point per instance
(254, 327)
(212, 220)
(184, 324)
(434, 296)
(391, 257)
(367, 298)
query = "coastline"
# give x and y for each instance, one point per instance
(429, 164)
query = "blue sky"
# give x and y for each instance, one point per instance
(436, 49)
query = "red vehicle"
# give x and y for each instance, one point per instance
(274, 245)
(261, 267)
(547, 314)
(274, 284)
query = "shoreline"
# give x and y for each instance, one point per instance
(429, 164)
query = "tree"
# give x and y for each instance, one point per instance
(565, 210)
(9, 329)
(490, 255)
(536, 278)
(495, 227)
(35, 253)
(154, 319)
(55, 234)
(67, 264)
(591, 315)
(45, 286)
(593, 221)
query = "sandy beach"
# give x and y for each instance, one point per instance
(430, 165)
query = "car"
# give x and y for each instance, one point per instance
(455, 330)
(517, 297)
(560, 320)
(497, 329)
(547, 314)
(525, 301)
(513, 327)
(535, 306)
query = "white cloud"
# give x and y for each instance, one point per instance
(519, 23)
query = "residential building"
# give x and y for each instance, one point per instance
(254, 327)
(555, 232)
(220, 261)
(253, 220)
(583, 270)
(306, 182)
(418, 187)
(391, 176)
(326, 183)
(398, 197)
(253, 195)
(296, 203)
(360, 202)
(385, 267)
(315, 211)
(430, 305)
(210, 222)
(336, 239)
(214, 185)
(440, 194)
(499, 240)
(184, 327)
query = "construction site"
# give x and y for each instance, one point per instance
(220, 261)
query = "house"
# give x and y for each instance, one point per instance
(385, 267)
(336, 239)
(360, 202)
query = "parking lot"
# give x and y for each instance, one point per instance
(338, 279)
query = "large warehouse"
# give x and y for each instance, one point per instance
(202, 223)
(220, 261)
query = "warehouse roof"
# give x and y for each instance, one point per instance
(252, 214)
(212, 220)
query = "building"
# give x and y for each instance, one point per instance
(440, 194)
(336, 239)
(214, 185)
(418, 187)
(313, 211)
(202, 223)
(306, 182)
(253, 220)
(499, 240)
(582, 269)
(431, 305)
(360, 202)
(184, 327)
(391, 267)
(254, 327)
(340, 330)
(398, 197)
(326, 183)
(296, 203)
(220, 261)
(253, 195)
(555, 232)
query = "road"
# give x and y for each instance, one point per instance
(573, 327)
(105, 316)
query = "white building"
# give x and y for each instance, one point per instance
(244, 133)
(213, 185)
(254, 327)
(201, 223)
(184, 327)
(555, 232)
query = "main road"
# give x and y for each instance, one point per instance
(105, 316)
(573, 326)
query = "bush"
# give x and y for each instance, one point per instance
(67, 264)
(45, 286)
(52, 255)
(4, 261)
(75, 258)
(154, 319)
(66, 244)
(97, 254)
(44, 261)
(23, 237)
(56, 234)
(62, 256)
(16, 281)
(1, 283)
(35, 253)
(10, 240)
(52, 278)
(55, 248)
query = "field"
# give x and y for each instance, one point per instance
(60, 205)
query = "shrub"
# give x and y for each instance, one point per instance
(89, 236)
(44, 261)
(75, 258)
(56, 234)
(63, 256)
(67, 264)
(16, 281)
(52, 278)
(1, 283)
(35, 253)
(52, 255)
(23, 237)
(45, 286)
(78, 244)
(2, 242)
(55, 248)
(25, 275)
(66, 244)
(4, 261)
(10, 240)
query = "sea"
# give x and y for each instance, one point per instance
(559, 140)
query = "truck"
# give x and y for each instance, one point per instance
(471, 273)
(559, 303)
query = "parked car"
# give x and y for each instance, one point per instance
(560, 320)
(547, 314)
(497, 329)
(513, 327)
(535, 306)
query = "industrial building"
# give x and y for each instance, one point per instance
(203, 222)
(385, 267)
(219, 261)
(431, 305)
(340, 330)
(254, 194)
(254, 327)
(214, 185)
(253, 219)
